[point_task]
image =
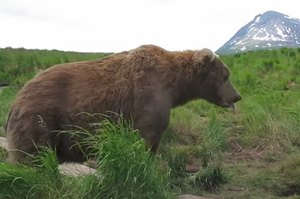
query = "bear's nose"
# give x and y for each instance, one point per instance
(238, 98)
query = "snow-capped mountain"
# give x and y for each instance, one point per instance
(271, 30)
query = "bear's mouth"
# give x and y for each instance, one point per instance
(222, 103)
(233, 106)
(226, 105)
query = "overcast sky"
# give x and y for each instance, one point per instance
(117, 25)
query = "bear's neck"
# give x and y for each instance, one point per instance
(183, 78)
(182, 94)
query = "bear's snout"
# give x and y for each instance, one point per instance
(237, 98)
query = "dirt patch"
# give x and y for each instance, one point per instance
(246, 155)
(239, 153)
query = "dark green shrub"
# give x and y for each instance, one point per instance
(268, 65)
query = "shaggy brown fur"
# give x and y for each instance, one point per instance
(144, 84)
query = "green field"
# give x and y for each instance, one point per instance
(252, 154)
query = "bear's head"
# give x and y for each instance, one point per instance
(213, 83)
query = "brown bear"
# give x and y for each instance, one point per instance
(143, 84)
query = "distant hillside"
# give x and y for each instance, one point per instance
(271, 30)
(19, 64)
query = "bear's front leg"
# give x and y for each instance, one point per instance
(151, 126)
(152, 139)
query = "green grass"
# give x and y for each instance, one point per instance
(253, 154)
(6, 98)
(28, 182)
(18, 65)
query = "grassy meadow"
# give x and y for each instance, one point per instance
(252, 154)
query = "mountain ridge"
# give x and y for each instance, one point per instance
(270, 30)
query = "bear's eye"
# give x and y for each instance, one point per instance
(226, 78)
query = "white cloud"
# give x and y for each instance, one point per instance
(117, 25)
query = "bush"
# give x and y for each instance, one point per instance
(127, 168)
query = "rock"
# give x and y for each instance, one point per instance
(2, 84)
(3, 143)
(192, 168)
(189, 196)
(74, 169)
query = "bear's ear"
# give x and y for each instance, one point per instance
(203, 57)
